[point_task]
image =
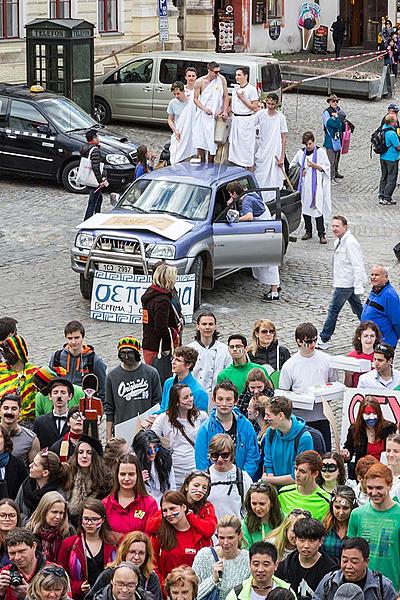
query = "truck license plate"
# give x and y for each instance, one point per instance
(115, 268)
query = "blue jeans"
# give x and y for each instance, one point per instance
(339, 298)
(94, 203)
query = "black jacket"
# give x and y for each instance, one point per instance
(95, 159)
(267, 356)
(151, 586)
(106, 594)
(361, 449)
(45, 428)
(158, 316)
(15, 474)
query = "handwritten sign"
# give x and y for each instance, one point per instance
(389, 401)
(117, 296)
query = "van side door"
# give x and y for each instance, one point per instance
(133, 89)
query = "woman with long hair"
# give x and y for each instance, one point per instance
(283, 536)
(85, 555)
(263, 512)
(129, 506)
(51, 582)
(156, 463)
(46, 474)
(176, 541)
(333, 472)
(368, 434)
(336, 522)
(180, 425)
(181, 583)
(12, 468)
(88, 476)
(256, 385)
(49, 523)
(225, 566)
(393, 461)
(10, 518)
(115, 448)
(366, 337)
(136, 548)
(265, 348)
(145, 161)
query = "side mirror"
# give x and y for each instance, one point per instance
(114, 197)
(232, 216)
(44, 129)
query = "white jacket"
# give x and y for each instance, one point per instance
(348, 264)
(210, 363)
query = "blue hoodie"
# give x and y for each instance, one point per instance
(200, 396)
(247, 455)
(279, 456)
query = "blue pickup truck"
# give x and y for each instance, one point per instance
(179, 214)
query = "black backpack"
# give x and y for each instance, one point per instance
(378, 140)
(57, 360)
(238, 482)
(317, 438)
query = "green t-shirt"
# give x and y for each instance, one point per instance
(43, 405)
(257, 536)
(381, 529)
(237, 374)
(317, 502)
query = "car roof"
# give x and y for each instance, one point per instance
(24, 92)
(209, 56)
(197, 174)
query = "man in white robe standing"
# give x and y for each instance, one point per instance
(242, 137)
(180, 113)
(314, 185)
(212, 100)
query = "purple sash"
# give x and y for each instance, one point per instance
(313, 176)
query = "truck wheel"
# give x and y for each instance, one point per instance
(102, 111)
(86, 286)
(197, 270)
(68, 179)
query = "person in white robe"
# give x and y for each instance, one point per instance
(252, 207)
(314, 185)
(181, 111)
(211, 98)
(242, 136)
(190, 82)
(270, 156)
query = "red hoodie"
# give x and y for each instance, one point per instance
(205, 522)
(132, 518)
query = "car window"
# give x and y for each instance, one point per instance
(174, 70)
(25, 117)
(228, 71)
(222, 196)
(271, 78)
(139, 71)
(3, 111)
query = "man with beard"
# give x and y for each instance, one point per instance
(16, 375)
(131, 388)
(25, 442)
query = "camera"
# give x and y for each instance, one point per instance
(16, 578)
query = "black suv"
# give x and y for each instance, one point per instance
(41, 135)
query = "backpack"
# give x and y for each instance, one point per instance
(57, 360)
(378, 140)
(238, 482)
(329, 582)
(317, 438)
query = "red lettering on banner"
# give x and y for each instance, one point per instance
(390, 401)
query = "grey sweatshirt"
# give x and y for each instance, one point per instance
(129, 393)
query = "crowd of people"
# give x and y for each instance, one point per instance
(224, 489)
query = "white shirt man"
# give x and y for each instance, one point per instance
(242, 137)
(384, 376)
(349, 277)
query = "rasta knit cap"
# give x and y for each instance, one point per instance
(18, 346)
(129, 343)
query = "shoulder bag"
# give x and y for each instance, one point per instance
(85, 175)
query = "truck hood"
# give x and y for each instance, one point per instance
(150, 227)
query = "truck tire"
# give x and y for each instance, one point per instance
(197, 270)
(102, 111)
(68, 179)
(86, 286)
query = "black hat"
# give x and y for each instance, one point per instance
(95, 444)
(60, 381)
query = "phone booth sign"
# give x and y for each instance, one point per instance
(60, 57)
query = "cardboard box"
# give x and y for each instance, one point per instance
(300, 401)
(349, 363)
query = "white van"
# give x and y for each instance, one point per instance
(139, 90)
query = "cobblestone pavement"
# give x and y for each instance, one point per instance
(37, 221)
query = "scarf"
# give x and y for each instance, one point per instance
(4, 459)
(68, 439)
(313, 176)
(32, 493)
(51, 542)
(82, 490)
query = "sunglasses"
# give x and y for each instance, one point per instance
(216, 455)
(77, 415)
(53, 570)
(151, 451)
(199, 473)
(266, 331)
(382, 348)
(312, 341)
(329, 467)
(260, 485)
(297, 512)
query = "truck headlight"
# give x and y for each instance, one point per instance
(163, 251)
(117, 159)
(84, 240)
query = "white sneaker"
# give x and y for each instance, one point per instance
(321, 345)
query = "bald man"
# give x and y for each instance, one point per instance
(383, 305)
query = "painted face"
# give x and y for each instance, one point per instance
(91, 521)
(197, 489)
(137, 553)
(341, 509)
(369, 416)
(260, 504)
(303, 474)
(225, 401)
(186, 399)
(85, 453)
(256, 387)
(127, 476)
(55, 515)
(329, 469)
(173, 513)
(9, 412)
(236, 348)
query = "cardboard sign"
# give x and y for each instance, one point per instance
(117, 296)
(128, 429)
(389, 401)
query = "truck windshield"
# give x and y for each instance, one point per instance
(181, 200)
(67, 115)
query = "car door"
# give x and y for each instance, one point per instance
(245, 244)
(132, 92)
(169, 70)
(25, 149)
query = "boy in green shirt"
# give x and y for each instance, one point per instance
(305, 494)
(379, 523)
(241, 365)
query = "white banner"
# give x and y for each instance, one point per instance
(389, 401)
(117, 296)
